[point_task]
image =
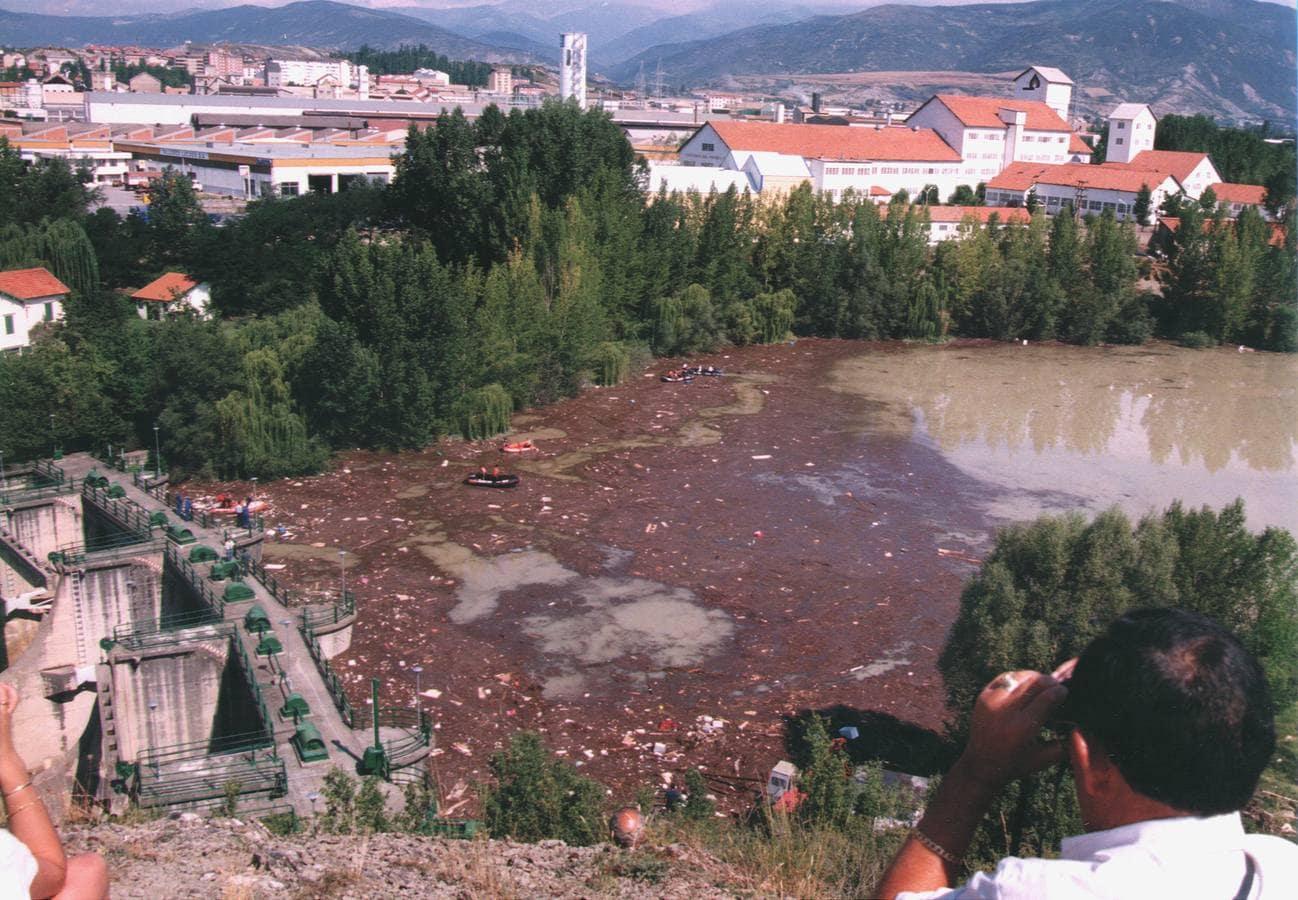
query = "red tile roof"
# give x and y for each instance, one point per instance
(1077, 145)
(979, 213)
(984, 112)
(1177, 163)
(166, 288)
(1173, 224)
(30, 284)
(1112, 177)
(837, 141)
(1227, 192)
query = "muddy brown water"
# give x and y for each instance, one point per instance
(792, 536)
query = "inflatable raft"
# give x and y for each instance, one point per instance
(518, 447)
(504, 480)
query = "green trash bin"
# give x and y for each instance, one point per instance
(223, 570)
(201, 553)
(256, 620)
(237, 591)
(295, 707)
(180, 535)
(308, 743)
(269, 644)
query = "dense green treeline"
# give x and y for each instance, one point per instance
(515, 259)
(408, 57)
(1241, 157)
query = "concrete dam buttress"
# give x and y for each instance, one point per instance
(155, 673)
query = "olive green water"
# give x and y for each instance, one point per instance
(1050, 428)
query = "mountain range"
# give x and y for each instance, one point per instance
(1232, 58)
(311, 23)
(1229, 57)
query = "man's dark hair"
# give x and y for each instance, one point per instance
(1179, 705)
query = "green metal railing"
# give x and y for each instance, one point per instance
(201, 586)
(104, 547)
(23, 494)
(252, 772)
(168, 630)
(129, 514)
(332, 682)
(257, 569)
(323, 615)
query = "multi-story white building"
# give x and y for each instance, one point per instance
(500, 81)
(308, 72)
(989, 133)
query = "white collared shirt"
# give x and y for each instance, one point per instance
(17, 868)
(1184, 858)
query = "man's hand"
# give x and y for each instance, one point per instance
(1004, 735)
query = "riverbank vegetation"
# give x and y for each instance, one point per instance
(515, 259)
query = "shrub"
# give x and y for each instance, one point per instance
(697, 806)
(1197, 340)
(484, 412)
(537, 797)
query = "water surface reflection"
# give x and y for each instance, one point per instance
(1136, 426)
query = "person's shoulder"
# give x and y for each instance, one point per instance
(1017, 878)
(1277, 858)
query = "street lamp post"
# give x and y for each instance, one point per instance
(342, 570)
(54, 446)
(2, 470)
(419, 671)
(157, 453)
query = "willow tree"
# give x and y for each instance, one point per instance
(61, 245)
(260, 432)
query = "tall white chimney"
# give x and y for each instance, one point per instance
(572, 67)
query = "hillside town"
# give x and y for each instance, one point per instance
(248, 127)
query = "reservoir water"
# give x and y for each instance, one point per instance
(1051, 428)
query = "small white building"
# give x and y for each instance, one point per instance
(1131, 131)
(703, 179)
(1048, 85)
(173, 294)
(28, 297)
(948, 222)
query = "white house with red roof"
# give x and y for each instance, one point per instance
(28, 297)
(173, 294)
(1237, 197)
(948, 222)
(1086, 189)
(837, 158)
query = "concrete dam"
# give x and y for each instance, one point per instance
(154, 672)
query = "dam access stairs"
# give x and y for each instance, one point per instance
(170, 676)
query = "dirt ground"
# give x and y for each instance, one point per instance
(742, 548)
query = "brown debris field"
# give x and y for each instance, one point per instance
(682, 567)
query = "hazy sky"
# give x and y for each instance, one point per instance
(99, 8)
